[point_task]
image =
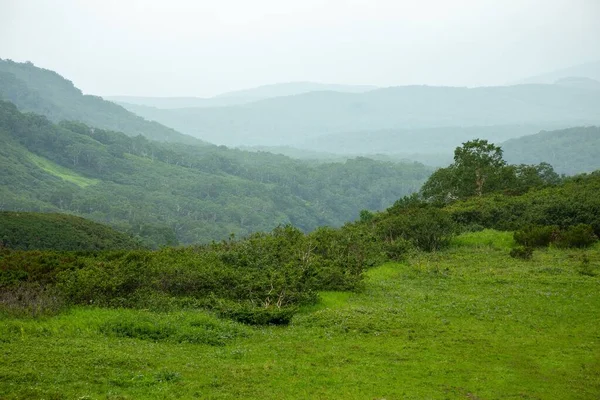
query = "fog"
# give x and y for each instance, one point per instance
(202, 48)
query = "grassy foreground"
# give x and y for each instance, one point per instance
(466, 323)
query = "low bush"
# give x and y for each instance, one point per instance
(580, 235)
(536, 235)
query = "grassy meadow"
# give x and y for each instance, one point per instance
(468, 322)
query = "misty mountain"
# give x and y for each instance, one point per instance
(169, 192)
(239, 96)
(569, 151)
(291, 120)
(45, 92)
(414, 143)
(589, 70)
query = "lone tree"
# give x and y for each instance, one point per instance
(478, 168)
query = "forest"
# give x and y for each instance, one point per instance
(169, 193)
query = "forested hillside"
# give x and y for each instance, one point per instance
(47, 93)
(295, 119)
(168, 193)
(39, 231)
(569, 151)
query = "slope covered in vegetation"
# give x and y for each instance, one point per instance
(37, 231)
(47, 93)
(173, 192)
(569, 151)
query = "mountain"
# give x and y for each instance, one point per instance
(418, 141)
(47, 93)
(569, 151)
(292, 120)
(38, 231)
(239, 96)
(590, 70)
(172, 192)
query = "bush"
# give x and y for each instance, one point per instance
(536, 236)
(428, 228)
(581, 235)
(522, 252)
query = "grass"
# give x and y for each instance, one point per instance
(466, 323)
(61, 172)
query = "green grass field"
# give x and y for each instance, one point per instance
(466, 323)
(61, 172)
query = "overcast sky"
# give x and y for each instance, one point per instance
(202, 48)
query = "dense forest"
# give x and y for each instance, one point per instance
(169, 193)
(569, 151)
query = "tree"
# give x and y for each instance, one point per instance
(477, 162)
(478, 168)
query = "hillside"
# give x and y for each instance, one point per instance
(47, 93)
(37, 231)
(239, 96)
(295, 119)
(569, 151)
(590, 70)
(173, 192)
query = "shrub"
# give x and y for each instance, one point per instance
(581, 235)
(536, 235)
(428, 228)
(522, 252)
(30, 300)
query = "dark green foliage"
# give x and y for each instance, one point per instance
(536, 235)
(575, 201)
(36, 231)
(522, 252)
(169, 193)
(427, 228)
(479, 169)
(580, 235)
(261, 279)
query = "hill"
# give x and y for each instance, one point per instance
(590, 70)
(47, 93)
(295, 119)
(569, 151)
(169, 192)
(38, 231)
(239, 96)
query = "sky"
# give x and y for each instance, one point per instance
(203, 48)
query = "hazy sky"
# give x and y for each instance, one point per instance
(202, 48)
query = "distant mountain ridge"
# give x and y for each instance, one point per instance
(239, 97)
(590, 70)
(569, 151)
(286, 121)
(47, 93)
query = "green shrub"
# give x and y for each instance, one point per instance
(536, 236)
(426, 228)
(580, 235)
(522, 252)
